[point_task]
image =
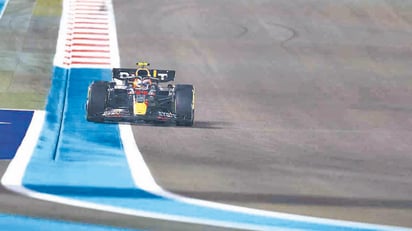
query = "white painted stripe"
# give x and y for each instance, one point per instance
(114, 48)
(81, 5)
(4, 8)
(90, 60)
(87, 65)
(89, 47)
(88, 22)
(14, 109)
(88, 43)
(91, 27)
(131, 212)
(79, 30)
(4, 123)
(91, 12)
(90, 65)
(88, 8)
(90, 37)
(138, 168)
(88, 4)
(93, 58)
(102, 54)
(89, 19)
(15, 171)
(87, 62)
(82, 15)
(97, 26)
(90, 51)
(61, 41)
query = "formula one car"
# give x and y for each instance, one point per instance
(137, 94)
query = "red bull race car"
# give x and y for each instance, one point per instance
(141, 95)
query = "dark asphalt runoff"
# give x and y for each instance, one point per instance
(301, 106)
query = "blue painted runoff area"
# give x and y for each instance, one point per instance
(13, 127)
(23, 223)
(85, 161)
(2, 6)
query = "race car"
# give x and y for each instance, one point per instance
(139, 95)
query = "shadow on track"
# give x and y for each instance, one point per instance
(298, 199)
(197, 124)
(87, 191)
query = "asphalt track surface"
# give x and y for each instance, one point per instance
(301, 106)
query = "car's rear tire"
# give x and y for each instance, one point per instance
(184, 105)
(96, 101)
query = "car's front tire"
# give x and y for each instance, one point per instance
(96, 101)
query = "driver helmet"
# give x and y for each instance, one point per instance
(137, 82)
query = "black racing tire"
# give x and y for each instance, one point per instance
(96, 101)
(185, 105)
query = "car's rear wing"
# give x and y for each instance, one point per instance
(161, 76)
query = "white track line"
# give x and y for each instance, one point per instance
(4, 8)
(12, 178)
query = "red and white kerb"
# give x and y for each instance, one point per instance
(87, 36)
